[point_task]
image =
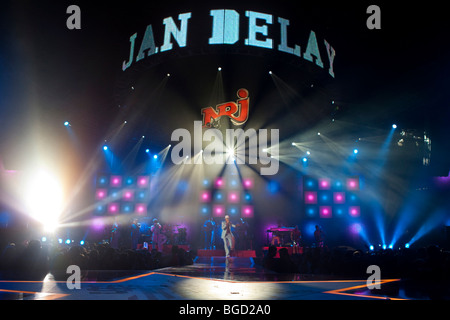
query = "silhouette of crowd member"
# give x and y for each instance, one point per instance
(33, 262)
(269, 261)
(285, 265)
(8, 257)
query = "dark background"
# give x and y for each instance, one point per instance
(51, 74)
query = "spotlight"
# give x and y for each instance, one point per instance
(305, 159)
(168, 74)
(355, 151)
(68, 241)
(43, 198)
(308, 153)
(147, 150)
(105, 148)
(293, 143)
(219, 68)
(394, 126)
(371, 248)
(318, 133)
(155, 156)
(82, 242)
(230, 152)
(406, 245)
(143, 137)
(67, 124)
(270, 72)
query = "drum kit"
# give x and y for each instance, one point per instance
(173, 234)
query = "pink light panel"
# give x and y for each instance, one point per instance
(325, 211)
(325, 197)
(354, 211)
(128, 195)
(101, 194)
(248, 183)
(233, 197)
(116, 181)
(353, 184)
(324, 184)
(219, 211)
(141, 208)
(226, 196)
(113, 208)
(205, 196)
(219, 183)
(310, 197)
(247, 212)
(339, 197)
(142, 181)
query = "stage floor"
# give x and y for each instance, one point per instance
(209, 278)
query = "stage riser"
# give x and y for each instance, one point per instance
(291, 250)
(221, 253)
(167, 248)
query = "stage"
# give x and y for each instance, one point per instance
(209, 278)
(221, 253)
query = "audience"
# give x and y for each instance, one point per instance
(34, 260)
(420, 264)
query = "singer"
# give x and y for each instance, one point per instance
(227, 235)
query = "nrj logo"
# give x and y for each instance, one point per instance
(238, 146)
(236, 111)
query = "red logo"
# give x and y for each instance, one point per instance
(236, 111)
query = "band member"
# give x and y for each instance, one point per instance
(296, 236)
(318, 237)
(157, 235)
(209, 227)
(114, 240)
(227, 235)
(135, 233)
(277, 237)
(242, 235)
